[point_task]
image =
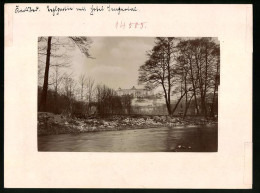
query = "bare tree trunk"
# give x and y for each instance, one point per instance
(213, 101)
(169, 79)
(46, 77)
(188, 105)
(205, 85)
(199, 78)
(194, 88)
(176, 105)
(168, 105)
(204, 106)
(186, 95)
(56, 89)
(214, 95)
(55, 100)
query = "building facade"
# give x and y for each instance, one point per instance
(135, 92)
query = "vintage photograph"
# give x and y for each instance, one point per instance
(128, 94)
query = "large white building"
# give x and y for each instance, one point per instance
(135, 92)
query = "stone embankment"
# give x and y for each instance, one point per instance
(50, 124)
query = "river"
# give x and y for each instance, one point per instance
(165, 139)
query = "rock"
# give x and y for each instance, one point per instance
(168, 118)
(181, 147)
(105, 123)
(157, 118)
(126, 120)
(173, 119)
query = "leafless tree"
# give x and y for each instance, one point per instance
(56, 79)
(161, 70)
(186, 67)
(83, 43)
(82, 83)
(107, 101)
(202, 57)
(90, 89)
(126, 101)
(69, 90)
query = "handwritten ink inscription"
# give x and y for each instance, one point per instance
(109, 8)
(56, 10)
(27, 9)
(96, 9)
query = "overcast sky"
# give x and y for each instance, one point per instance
(117, 60)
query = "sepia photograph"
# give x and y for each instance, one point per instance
(157, 98)
(128, 94)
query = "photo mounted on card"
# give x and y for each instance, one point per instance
(147, 90)
(128, 94)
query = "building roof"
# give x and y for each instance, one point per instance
(133, 88)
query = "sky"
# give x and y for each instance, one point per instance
(116, 60)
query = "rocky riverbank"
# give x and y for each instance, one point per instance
(51, 124)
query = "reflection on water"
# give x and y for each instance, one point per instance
(165, 139)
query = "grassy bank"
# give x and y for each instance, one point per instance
(51, 124)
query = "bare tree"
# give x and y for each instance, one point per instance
(83, 43)
(186, 83)
(201, 55)
(107, 100)
(46, 77)
(69, 91)
(215, 77)
(186, 60)
(56, 79)
(161, 70)
(182, 67)
(90, 89)
(82, 83)
(126, 101)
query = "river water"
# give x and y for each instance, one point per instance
(165, 139)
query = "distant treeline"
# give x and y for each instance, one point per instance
(106, 103)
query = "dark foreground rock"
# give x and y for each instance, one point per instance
(51, 124)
